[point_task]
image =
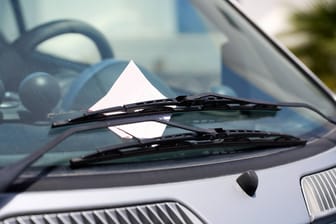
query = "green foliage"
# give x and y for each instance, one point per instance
(318, 49)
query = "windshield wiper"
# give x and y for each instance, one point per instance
(9, 173)
(251, 139)
(202, 102)
(141, 112)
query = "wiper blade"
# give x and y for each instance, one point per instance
(207, 101)
(201, 102)
(9, 173)
(189, 141)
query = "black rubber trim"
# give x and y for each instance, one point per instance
(166, 172)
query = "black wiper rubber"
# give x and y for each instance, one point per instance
(207, 101)
(189, 141)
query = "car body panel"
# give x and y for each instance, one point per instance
(278, 199)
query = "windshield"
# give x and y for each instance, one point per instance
(58, 58)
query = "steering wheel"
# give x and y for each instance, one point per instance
(16, 61)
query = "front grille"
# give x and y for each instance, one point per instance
(159, 213)
(320, 193)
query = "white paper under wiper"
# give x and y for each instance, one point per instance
(131, 87)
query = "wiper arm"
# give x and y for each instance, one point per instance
(201, 102)
(189, 141)
(9, 173)
(207, 101)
